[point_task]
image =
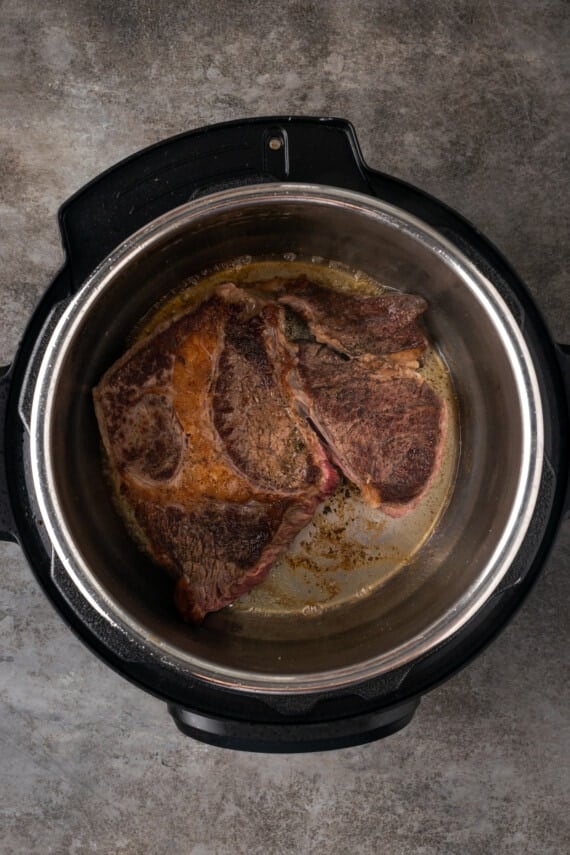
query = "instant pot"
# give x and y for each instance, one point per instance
(284, 187)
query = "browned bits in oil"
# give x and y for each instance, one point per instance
(301, 562)
(328, 587)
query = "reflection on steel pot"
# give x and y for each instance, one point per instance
(264, 678)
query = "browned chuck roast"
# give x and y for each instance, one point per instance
(215, 427)
(360, 324)
(384, 426)
(213, 465)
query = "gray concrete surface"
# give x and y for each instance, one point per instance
(469, 100)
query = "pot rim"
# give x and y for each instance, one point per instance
(74, 315)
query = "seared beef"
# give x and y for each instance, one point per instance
(254, 413)
(383, 425)
(358, 324)
(212, 501)
(211, 427)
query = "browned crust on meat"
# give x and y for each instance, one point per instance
(356, 324)
(203, 424)
(384, 426)
(172, 469)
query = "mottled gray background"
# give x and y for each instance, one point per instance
(469, 100)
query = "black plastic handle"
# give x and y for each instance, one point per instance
(137, 190)
(564, 360)
(285, 737)
(7, 524)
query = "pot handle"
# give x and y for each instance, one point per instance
(564, 360)
(7, 524)
(285, 737)
(153, 181)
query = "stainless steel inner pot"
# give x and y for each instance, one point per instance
(499, 465)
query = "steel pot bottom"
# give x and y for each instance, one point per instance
(499, 463)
